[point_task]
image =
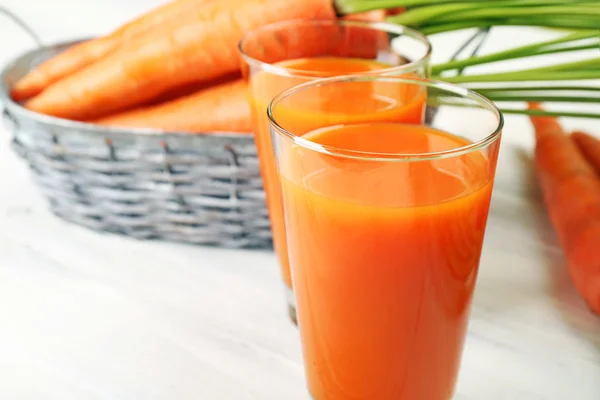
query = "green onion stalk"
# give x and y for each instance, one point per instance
(580, 17)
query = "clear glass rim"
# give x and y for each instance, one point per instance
(387, 157)
(380, 26)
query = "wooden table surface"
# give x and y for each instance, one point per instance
(88, 316)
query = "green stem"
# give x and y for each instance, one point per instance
(454, 12)
(565, 23)
(523, 76)
(415, 17)
(540, 98)
(471, 62)
(523, 51)
(353, 6)
(549, 113)
(431, 30)
(537, 89)
(589, 64)
(529, 12)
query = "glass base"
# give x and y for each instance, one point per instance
(291, 303)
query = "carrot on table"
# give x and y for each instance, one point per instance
(220, 108)
(88, 52)
(202, 46)
(589, 146)
(571, 192)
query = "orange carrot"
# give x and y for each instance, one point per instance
(202, 46)
(571, 192)
(589, 146)
(189, 88)
(156, 17)
(70, 60)
(363, 43)
(292, 40)
(367, 16)
(85, 53)
(220, 108)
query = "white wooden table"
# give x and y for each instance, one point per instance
(86, 316)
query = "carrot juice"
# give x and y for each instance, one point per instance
(384, 257)
(282, 55)
(264, 86)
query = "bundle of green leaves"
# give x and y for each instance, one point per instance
(546, 84)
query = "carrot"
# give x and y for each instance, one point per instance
(201, 47)
(571, 192)
(220, 108)
(293, 40)
(589, 146)
(363, 43)
(70, 60)
(189, 88)
(156, 17)
(85, 53)
(367, 16)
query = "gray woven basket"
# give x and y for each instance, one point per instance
(195, 188)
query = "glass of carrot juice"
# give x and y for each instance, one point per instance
(281, 55)
(385, 223)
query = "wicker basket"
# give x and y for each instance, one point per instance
(195, 188)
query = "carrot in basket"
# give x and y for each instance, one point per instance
(188, 89)
(203, 46)
(363, 43)
(571, 192)
(589, 146)
(220, 108)
(157, 17)
(293, 40)
(70, 60)
(85, 53)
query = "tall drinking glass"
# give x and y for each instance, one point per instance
(385, 223)
(281, 55)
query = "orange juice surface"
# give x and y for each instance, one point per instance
(384, 255)
(264, 86)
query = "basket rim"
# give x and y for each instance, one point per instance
(92, 129)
